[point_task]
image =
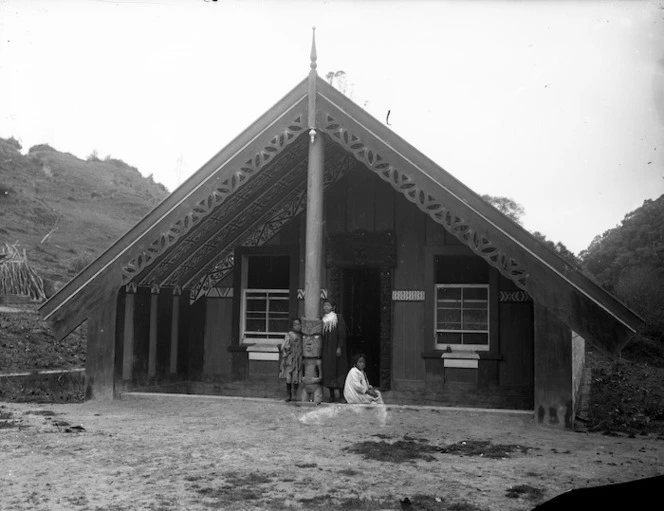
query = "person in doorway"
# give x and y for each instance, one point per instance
(335, 364)
(290, 365)
(357, 389)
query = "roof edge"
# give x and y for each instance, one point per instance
(513, 231)
(172, 201)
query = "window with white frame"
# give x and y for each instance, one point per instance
(265, 306)
(462, 316)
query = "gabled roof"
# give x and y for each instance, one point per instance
(257, 183)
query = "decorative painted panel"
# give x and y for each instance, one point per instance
(426, 202)
(220, 292)
(214, 198)
(264, 228)
(402, 295)
(323, 294)
(515, 296)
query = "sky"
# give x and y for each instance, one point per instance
(558, 105)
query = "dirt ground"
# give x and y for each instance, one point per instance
(162, 452)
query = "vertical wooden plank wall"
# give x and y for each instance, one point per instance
(196, 338)
(141, 332)
(100, 356)
(384, 197)
(516, 344)
(554, 405)
(218, 337)
(408, 317)
(183, 334)
(164, 311)
(359, 199)
(335, 208)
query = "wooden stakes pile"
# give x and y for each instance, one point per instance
(17, 278)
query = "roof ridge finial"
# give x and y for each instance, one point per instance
(313, 76)
(313, 49)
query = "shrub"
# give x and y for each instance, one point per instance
(12, 142)
(41, 147)
(79, 263)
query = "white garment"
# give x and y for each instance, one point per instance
(356, 387)
(330, 321)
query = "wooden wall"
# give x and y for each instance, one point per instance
(100, 353)
(360, 201)
(408, 317)
(218, 337)
(554, 402)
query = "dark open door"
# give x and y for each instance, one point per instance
(360, 307)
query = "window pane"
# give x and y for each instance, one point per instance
(474, 320)
(449, 319)
(475, 293)
(256, 304)
(448, 338)
(278, 304)
(279, 324)
(482, 339)
(256, 325)
(449, 293)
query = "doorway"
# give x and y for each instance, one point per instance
(360, 307)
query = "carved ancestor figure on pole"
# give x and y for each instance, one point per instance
(312, 373)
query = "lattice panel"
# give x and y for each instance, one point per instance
(281, 214)
(214, 198)
(407, 295)
(426, 202)
(236, 227)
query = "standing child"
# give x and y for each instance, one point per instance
(290, 365)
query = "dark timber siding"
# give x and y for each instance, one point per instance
(362, 201)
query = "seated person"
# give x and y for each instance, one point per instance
(357, 389)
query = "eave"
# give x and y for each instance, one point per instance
(173, 246)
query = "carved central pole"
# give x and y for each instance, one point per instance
(312, 325)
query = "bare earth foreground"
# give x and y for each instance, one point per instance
(164, 452)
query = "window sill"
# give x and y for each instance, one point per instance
(440, 354)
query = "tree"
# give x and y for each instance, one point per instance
(339, 80)
(629, 260)
(93, 156)
(12, 142)
(559, 248)
(637, 242)
(642, 289)
(507, 206)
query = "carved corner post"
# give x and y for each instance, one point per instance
(128, 348)
(312, 325)
(152, 352)
(386, 327)
(175, 330)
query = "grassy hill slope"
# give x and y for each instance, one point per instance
(65, 211)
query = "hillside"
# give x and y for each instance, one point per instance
(65, 211)
(628, 260)
(637, 242)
